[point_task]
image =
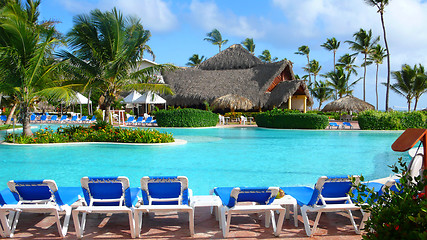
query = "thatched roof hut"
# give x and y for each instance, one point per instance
(233, 102)
(347, 104)
(236, 71)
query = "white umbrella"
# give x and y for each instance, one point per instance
(80, 99)
(150, 98)
(134, 95)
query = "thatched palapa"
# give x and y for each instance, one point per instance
(347, 104)
(236, 71)
(233, 102)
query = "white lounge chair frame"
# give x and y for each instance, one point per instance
(327, 207)
(36, 206)
(163, 208)
(103, 209)
(226, 212)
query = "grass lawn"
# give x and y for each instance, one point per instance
(8, 126)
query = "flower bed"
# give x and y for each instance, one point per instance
(96, 133)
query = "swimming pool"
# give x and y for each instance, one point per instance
(214, 157)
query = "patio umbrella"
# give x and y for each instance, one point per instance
(347, 104)
(232, 102)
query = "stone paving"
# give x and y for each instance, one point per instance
(332, 226)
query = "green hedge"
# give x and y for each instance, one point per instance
(375, 120)
(186, 117)
(277, 118)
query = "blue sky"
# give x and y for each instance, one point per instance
(281, 26)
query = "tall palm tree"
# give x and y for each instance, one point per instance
(27, 66)
(305, 51)
(313, 68)
(215, 38)
(380, 5)
(420, 84)
(338, 81)
(331, 44)
(322, 92)
(377, 56)
(266, 57)
(347, 63)
(249, 45)
(195, 60)
(107, 48)
(405, 79)
(363, 43)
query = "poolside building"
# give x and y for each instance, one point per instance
(236, 71)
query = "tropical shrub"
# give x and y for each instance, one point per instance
(101, 132)
(398, 214)
(98, 114)
(186, 117)
(278, 118)
(375, 120)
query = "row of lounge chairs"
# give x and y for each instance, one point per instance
(64, 119)
(343, 126)
(166, 194)
(140, 121)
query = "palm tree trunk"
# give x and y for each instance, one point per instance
(320, 105)
(409, 104)
(308, 66)
(25, 115)
(364, 79)
(416, 103)
(10, 116)
(376, 86)
(388, 62)
(335, 52)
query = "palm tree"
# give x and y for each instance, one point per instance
(331, 44)
(321, 92)
(380, 5)
(405, 83)
(107, 48)
(338, 81)
(420, 84)
(266, 57)
(195, 60)
(377, 56)
(249, 45)
(27, 66)
(215, 38)
(305, 50)
(363, 43)
(313, 68)
(347, 63)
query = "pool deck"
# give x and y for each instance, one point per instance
(334, 226)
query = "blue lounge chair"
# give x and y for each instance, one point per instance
(130, 120)
(54, 118)
(148, 120)
(333, 124)
(164, 194)
(43, 118)
(82, 119)
(33, 118)
(330, 194)
(3, 118)
(344, 124)
(6, 197)
(106, 195)
(263, 197)
(40, 196)
(63, 118)
(73, 119)
(93, 119)
(139, 121)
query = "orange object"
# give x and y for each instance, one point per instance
(408, 139)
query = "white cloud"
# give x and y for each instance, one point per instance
(156, 15)
(209, 16)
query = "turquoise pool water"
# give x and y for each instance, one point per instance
(214, 157)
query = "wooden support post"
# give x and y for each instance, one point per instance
(290, 102)
(305, 104)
